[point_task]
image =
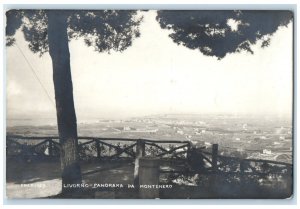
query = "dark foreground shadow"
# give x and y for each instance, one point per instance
(117, 172)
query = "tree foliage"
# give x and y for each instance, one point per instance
(105, 30)
(217, 33)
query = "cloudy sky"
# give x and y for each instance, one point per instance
(156, 76)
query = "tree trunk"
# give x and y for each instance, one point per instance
(66, 117)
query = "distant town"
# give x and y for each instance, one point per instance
(254, 137)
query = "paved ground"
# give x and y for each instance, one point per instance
(35, 180)
(41, 180)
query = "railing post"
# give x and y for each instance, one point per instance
(140, 152)
(140, 148)
(50, 148)
(189, 151)
(98, 149)
(194, 159)
(215, 157)
(214, 161)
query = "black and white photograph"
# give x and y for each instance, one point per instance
(149, 104)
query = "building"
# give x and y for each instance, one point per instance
(267, 151)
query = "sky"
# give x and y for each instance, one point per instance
(155, 76)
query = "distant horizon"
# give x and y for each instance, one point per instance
(52, 121)
(160, 115)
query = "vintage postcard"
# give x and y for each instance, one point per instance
(146, 104)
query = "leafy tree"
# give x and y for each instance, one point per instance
(218, 33)
(50, 31)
